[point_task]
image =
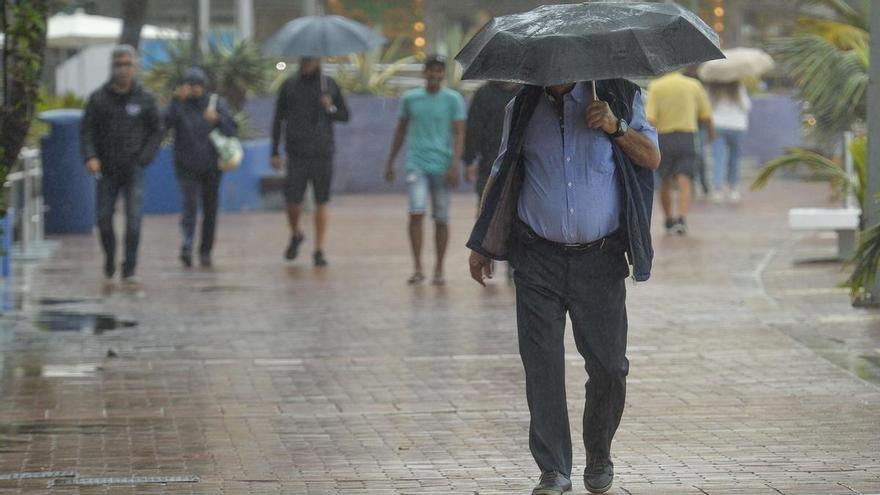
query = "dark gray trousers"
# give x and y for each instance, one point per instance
(590, 286)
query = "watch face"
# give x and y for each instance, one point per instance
(623, 126)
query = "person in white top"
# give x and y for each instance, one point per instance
(730, 107)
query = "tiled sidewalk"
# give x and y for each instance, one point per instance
(262, 377)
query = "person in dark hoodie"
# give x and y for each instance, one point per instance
(308, 105)
(195, 159)
(120, 134)
(483, 130)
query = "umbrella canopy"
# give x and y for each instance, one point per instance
(322, 36)
(557, 44)
(741, 63)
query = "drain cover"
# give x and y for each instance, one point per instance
(131, 480)
(35, 475)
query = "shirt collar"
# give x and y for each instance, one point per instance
(578, 93)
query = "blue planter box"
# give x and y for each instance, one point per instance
(239, 191)
(362, 147)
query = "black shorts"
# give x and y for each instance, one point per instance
(678, 154)
(301, 171)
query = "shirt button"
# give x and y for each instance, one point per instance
(569, 184)
(571, 210)
(568, 159)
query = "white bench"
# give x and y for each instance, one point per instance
(845, 221)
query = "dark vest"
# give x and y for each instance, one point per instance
(491, 234)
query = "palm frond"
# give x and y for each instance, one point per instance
(797, 158)
(832, 81)
(845, 10)
(865, 262)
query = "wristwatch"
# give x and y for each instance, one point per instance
(622, 128)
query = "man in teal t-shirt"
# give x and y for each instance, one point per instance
(433, 120)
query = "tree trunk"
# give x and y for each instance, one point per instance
(133, 14)
(25, 44)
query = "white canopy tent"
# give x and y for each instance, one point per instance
(79, 30)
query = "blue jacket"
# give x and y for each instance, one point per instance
(491, 233)
(194, 153)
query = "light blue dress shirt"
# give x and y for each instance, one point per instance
(571, 193)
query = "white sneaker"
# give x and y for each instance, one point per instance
(717, 196)
(734, 196)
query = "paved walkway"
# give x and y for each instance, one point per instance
(750, 372)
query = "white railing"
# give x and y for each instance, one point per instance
(24, 184)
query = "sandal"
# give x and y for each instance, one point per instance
(417, 278)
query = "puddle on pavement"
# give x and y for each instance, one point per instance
(222, 288)
(61, 428)
(57, 301)
(66, 321)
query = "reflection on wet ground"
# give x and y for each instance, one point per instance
(264, 377)
(68, 321)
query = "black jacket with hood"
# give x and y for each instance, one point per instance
(123, 131)
(307, 126)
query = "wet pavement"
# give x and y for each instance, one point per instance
(750, 372)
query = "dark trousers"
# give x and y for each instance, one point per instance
(131, 187)
(590, 286)
(207, 188)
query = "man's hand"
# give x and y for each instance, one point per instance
(277, 162)
(453, 175)
(481, 267)
(470, 173)
(600, 116)
(212, 116)
(390, 174)
(93, 165)
(327, 103)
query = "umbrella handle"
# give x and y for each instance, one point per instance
(595, 95)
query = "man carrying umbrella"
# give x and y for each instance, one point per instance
(308, 105)
(568, 203)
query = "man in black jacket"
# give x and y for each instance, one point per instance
(484, 128)
(195, 159)
(121, 133)
(308, 105)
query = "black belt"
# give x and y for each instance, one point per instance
(527, 233)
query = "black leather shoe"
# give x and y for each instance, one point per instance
(320, 260)
(205, 261)
(109, 268)
(552, 483)
(293, 248)
(599, 475)
(186, 259)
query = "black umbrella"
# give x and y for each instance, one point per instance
(557, 44)
(322, 36)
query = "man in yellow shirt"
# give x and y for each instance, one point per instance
(677, 106)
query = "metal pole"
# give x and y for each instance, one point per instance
(245, 18)
(310, 7)
(26, 213)
(204, 23)
(196, 38)
(872, 208)
(850, 200)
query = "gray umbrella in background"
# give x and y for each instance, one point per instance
(557, 44)
(322, 36)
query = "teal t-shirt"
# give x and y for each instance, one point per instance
(429, 135)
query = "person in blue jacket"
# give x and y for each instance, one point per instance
(195, 159)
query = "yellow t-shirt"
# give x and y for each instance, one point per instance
(676, 103)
